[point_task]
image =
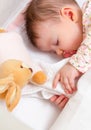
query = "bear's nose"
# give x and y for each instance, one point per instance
(31, 69)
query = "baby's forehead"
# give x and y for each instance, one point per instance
(45, 34)
(42, 30)
(42, 26)
(43, 43)
(45, 24)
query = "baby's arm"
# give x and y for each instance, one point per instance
(82, 59)
(78, 64)
(67, 76)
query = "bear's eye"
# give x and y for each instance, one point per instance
(21, 66)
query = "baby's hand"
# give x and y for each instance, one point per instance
(59, 100)
(67, 76)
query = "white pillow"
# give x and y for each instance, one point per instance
(13, 47)
(80, 2)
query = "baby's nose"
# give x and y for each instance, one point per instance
(59, 52)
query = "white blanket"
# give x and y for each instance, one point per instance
(77, 113)
(46, 91)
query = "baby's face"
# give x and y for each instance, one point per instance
(59, 36)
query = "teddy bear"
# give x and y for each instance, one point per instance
(2, 30)
(14, 75)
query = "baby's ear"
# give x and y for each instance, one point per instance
(69, 12)
(2, 95)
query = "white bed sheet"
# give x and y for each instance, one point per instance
(40, 114)
(77, 113)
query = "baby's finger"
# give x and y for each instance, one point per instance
(59, 99)
(73, 84)
(56, 80)
(53, 98)
(66, 85)
(62, 104)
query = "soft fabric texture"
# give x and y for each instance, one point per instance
(46, 91)
(77, 113)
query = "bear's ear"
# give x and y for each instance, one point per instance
(4, 83)
(13, 96)
(2, 96)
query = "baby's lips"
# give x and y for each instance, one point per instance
(68, 53)
(65, 55)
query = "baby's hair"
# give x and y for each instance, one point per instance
(41, 10)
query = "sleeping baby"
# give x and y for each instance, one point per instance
(63, 28)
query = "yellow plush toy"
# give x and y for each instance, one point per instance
(13, 76)
(2, 30)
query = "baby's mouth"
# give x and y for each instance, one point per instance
(68, 53)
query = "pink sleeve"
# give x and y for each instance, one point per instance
(82, 59)
(85, 4)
